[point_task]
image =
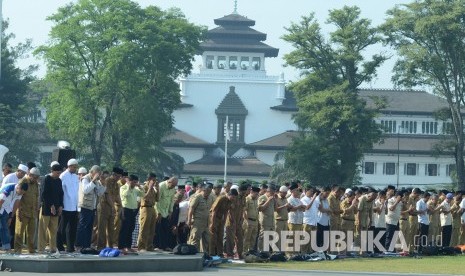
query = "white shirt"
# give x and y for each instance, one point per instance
(393, 217)
(70, 184)
(12, 178)
(183, 210)
(9, 196)
(446, 219)
(462, 206)
(311, 214)
(323, 218)
(380, 218)
(295, 217)
(421, 206)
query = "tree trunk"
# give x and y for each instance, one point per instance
(457, 120)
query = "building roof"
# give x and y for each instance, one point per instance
(289, 103)
(412, 102)
(407, 144)
(210, 165)
(279, 141)
(231, 104)
(234, 34)
(405, 101)
(178, 138)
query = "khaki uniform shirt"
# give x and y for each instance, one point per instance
(266, 217)
(221, 206)
(366, 209)
(283, 213)
(30, 200)
(199, 209)
(251, 206)
(346, 213)
(148, 200)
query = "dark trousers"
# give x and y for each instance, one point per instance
(390, 231)
(67, 228)
(382, 240)
(128, 223)
(320, 234)
(423, 240)
(446, 235)
(84, 230)
(163, 234)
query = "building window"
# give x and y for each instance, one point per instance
(411, 169)
(450, 169)
(236, 129)
(429, 127)
(369, 167)
(245, 63)
(233, 63)
(389, 126)
(408, 126)
(431, 169)
(389, 168)
(256, 63)
(447, 128)
(209, 62)
(45, 158)
(221, 62)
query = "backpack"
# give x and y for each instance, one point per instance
(278, 257)
(185, 249)
(430, 251)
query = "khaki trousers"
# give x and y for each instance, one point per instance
(250, 234)
(25, 226)
(147, 222)
(311, 230)
(199, 235)
(48, 226)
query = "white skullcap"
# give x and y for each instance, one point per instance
(235, 187)
(82, 170)
(283, 189)
(54, 163)
(348, 190)
(34, 171)
(23, 168)
(72, 162)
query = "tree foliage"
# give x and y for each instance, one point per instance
(15, 104)
(116, 65)
(337, 127)
(429, 38)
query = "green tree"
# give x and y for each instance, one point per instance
(337, 127)
(15, 105)
(428, 36)
(116, 65)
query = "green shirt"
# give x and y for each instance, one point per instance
(129, 196)
(166, 200)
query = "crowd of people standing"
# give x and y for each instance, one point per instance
(72, 209)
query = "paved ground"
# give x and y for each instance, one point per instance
(230, 272)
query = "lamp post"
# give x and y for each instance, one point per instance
(398, 155)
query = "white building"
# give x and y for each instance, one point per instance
(233, 83)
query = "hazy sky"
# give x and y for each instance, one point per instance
(28, 20)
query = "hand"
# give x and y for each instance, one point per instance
(96, 177)
(53, 210)
(151, 184)
(60, 210)
(9, 221)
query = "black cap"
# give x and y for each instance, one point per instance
(151, 175)
(181, 187)
(233, 192)
(118, 170)
(209, 185)
(133, 177)
(57, 168)
(243, 187)
(125, 174)
(293, 186)
(255, 189)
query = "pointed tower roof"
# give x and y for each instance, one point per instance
(231, 104)
(234, 34)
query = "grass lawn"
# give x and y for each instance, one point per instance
(453, 265)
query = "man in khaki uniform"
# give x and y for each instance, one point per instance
(147, 215)
(26, 214)
(266, 207)
(404, 216)
(348, 207)
(251, 219)
(118, 208)
(106, 210)
(434, 220)
(216, 191)
(197, 218)
(365, 210)
(456, 219)
(218, 213)
(234, 232)
(413, 218)
(282, 211)
(335, 206)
